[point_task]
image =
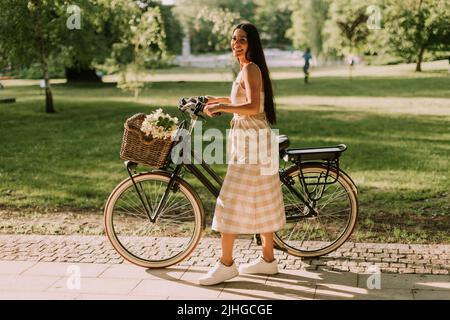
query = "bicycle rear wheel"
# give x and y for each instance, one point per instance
(336, 218)
(164, 242)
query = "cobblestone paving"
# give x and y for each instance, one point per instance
(353, 257)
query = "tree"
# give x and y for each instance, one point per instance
(89, 45)
(142, 43)
(307, 23)
(43, 31)
(414, 26)
(272, 17)
(209, 23)
(222, 22)
(102, 27)
(346, 31)
(174, 37)
(28, 35)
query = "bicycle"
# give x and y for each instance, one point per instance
(155, 219)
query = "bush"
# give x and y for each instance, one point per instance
(35, 72)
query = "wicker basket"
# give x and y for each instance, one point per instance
(139, 148)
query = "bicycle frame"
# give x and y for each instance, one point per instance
(213, 189)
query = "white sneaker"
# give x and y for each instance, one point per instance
(219, 273)
(259, 266)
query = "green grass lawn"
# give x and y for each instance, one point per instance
(398, 156)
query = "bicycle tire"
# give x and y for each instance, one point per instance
(153, 247)
(315, 248)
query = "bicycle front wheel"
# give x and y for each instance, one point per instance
(167, 240)
(312, 236)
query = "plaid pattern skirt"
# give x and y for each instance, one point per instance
(250, 200)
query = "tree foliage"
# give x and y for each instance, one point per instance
(307, 23)
(346, 31)
(414, 26)
(272, 17)
(31, 32)
(209, 23)
(141, 44)
(38, 31)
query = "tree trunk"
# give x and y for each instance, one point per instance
(419, 59)
(49, 108)
(42, 45)
(48, 90)
(420, 26)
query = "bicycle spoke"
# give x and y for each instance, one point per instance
(334, 197)
(136, 206)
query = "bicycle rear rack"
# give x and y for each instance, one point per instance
(321, 181)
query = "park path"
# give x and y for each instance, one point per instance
(87, 267)
(351, 257)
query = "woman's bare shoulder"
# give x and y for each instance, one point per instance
(251, 69)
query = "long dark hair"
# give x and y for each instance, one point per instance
(255, 54)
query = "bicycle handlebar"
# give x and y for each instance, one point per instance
(193, 105)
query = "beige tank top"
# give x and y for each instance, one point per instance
(238, 95)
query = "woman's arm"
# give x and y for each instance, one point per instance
(253, 81)
(212, 99)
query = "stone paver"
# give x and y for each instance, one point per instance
(64, 269)
(413, 281)
(128, 271)
(96, 286)
(351, 257)
(176, 289)
(105, 281)
(431, 295)
(363, 294)
(39, 267)
(256, 290)
(15, 267)
(11, 283)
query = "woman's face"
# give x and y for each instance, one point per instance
(239, 44)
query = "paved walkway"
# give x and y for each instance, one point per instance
(73, 267)
(51, 280)
(352, 257)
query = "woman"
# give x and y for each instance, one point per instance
(250, 201)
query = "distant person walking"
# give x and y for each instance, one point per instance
(306, 57)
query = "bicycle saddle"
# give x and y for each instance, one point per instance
(283, 142)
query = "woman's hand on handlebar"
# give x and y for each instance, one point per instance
(212, 99)
(212, 109)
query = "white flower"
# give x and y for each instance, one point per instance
(160, 125)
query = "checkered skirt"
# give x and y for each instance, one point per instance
(250, 200)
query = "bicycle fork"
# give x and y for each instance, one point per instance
(143, 196)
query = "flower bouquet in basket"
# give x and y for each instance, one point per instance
(148, 139)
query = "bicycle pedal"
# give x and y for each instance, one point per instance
(257, 239)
